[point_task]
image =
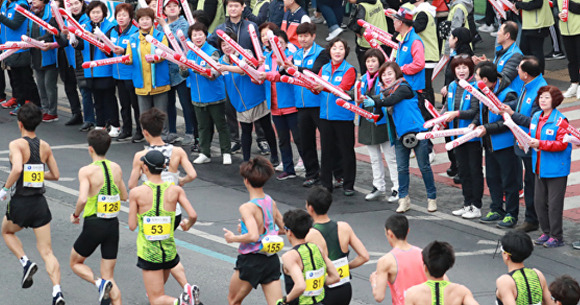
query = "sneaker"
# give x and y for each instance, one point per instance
(334, 33)
(476, 39)
(310, 182)
(279, 167)
(299, 167)
(14, 111)
(195, 300)
(29, 270)
(172, 138)
(576, 245)
(227, 159)
(47, 118)
(472, 213)
(236, 148)
(184, 299)
(431, 205)
(493, 34)
(553, 243)
(572, 90)
(317, 20)
(338, 183)
(87, 126)
(202, 159)
(124, 136)
(188, 140)
(285, 175)
(264, 148)
(11, 103)
(76, 119)
(457, 179)
(451, 172)
(461, 211)
(491, 217)
(578, 93)
(555, 56)
(394, 197)
(114, 132)
(195, 147)
(527, 227)
(343, 25)
(404, 205)
(275, 161)
(375, 194)
(137, 137)
(432, 156)
(348, 193)
(521, 194)
(480, 21)
(58, 299)
(486, 28)
(542, 239)
(105, 289)
(507, 222)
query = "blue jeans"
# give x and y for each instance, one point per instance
(188, 112)
(284, 125)
(422, 154)
(332, 12)
(88, 108)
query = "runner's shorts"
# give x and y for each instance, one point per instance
(145, 265)
(99, 232)
(28, 211)
(258, 268)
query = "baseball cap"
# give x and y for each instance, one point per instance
(154, 159)
(404, 14)
(167, 2)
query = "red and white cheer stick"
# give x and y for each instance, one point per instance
(5, 54)
(255, 42)
(523, 138)
(36, 19)
(159, 10)
(390, 12)
(238, 48)
(431, 109)
(187, 11)
(90, 39)
(380, 32)
(438, 120)
(571, 139)
(210, 61)
(167, 56)
(358, 96)
(391, 44)
(172, 39)
(570, 129)
(374, 44)
(34, 42)
(150, 58)
(15, 45)
(70, 20)
(276, 48)
(463, 139)
(57, 15)
(251, 72)
(565, 5)
(105, 62)
(190, 64)
(440, 65)
(182, 40)
(301, 77)
(498, 8)
(492, 97)
(357, 110)
(328, 86)
(159, 45)
(294, 81)
(511, 6)
(478, 95)
(442, 133)
(104, 38)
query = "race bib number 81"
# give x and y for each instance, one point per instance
(314, 282)
(108, 206)
(157, 227)
(33, 175)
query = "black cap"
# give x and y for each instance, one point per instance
(154, 159)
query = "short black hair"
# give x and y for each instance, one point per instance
(344, 43)
(320, 199)
(511, 28)
(238, 1)
(281, 34)
(374, 53)
(94, 4)
(298, 222)
(198, 26)
(201, 16)
(438, 257)
(306, 27)
(518, 245)
(488, 70)
(30, 116)
(399, 225)
(531, 65)
(99, 140)
(566, 290)
(153, 121)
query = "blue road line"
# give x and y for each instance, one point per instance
(205, 251)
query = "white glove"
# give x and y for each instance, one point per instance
(3, 194)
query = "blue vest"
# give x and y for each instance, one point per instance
(204, 90)
(377, 88)
(284, 91)
(102, 71)
(159, 71)
(69, 50)
(304, 97)
(329, 110)
(407, 115)
(404, 56)
(47, 57)
(9, 11)
(500, 62)
(243, 94)
(529, 92)
(464, 105)
(499, 140)
(122, 71)
(552, 164)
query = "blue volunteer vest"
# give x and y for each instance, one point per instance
(47, 57)
(122, 71)
(102, 71)
(552, 164)
(8, 34)
(284, 91)
(305, 98)
(502, 60)
(464, 105)
(159, 71)
(500, 140)
(329, 110)
(243, 94)
(407, 116)
(69, 50)
(529, 92)
(404, 56)
(204, 90)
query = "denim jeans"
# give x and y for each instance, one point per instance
(88, 108)
(422, 154)
(332, 12)
(284, 125)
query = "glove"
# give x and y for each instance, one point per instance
(368, 102)
(370, 120)
(281, 301)
(3, 193)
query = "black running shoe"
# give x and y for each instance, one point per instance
(58, 299)
(29, 270)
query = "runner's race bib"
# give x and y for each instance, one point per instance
(108, 206)
(272, 244)
(314, 282)
(157, 227)
(33, 175)
(341, 265)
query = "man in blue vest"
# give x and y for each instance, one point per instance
(411, 53)
(529, 80)
(500, 160)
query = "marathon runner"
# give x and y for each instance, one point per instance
(28, 207)
(101, 191)
(152, 209)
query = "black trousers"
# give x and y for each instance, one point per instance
(451, 156)
(529, 186)
(532, 43)
(128, 100)
(337, 136)
(428, 93)
(572, 47)
(308, 120)
(469, 159)
(264, 123)
(23, 85)
(549, 199)
(232, 120)
(69, 78)
(106, 107)
(2, 84)
(501, 176)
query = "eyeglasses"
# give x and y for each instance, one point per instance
(286, 228)
(504, 251)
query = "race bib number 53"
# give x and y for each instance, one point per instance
(33, 175)
(157, 227)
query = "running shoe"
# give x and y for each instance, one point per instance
(124, 136)
(14, 111)
(507, 222)
(553, 243)
(394, 197)
(472, 212)
(299, 167)
(284, 176)
(29, 270)
(47, 118)
(576, 245)
(491, 217)
(195, 292)
(105, 289)
(264, 148)
(58, 299)
(184, 299)
(542, 239)
(461, 211)
(375, 194)
(310, 182)
(236, 148)
(201, 159)
(138, 137)
(348, 192)
(338, 183)
(11, 103)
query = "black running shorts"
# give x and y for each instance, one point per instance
(99, 232)
(145, 265)
(258, 268)
(340, 295)
(28, 211)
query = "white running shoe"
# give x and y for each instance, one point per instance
(375, 194)
(280, 167)
(432, 156)
(394, 196)
(202, 159)
(227, 159)
(334, 34)
(486, 28)
(472, 213)
(114, 132)
(572, 90)
(404, 204)
(461, 211)
(299, 167)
